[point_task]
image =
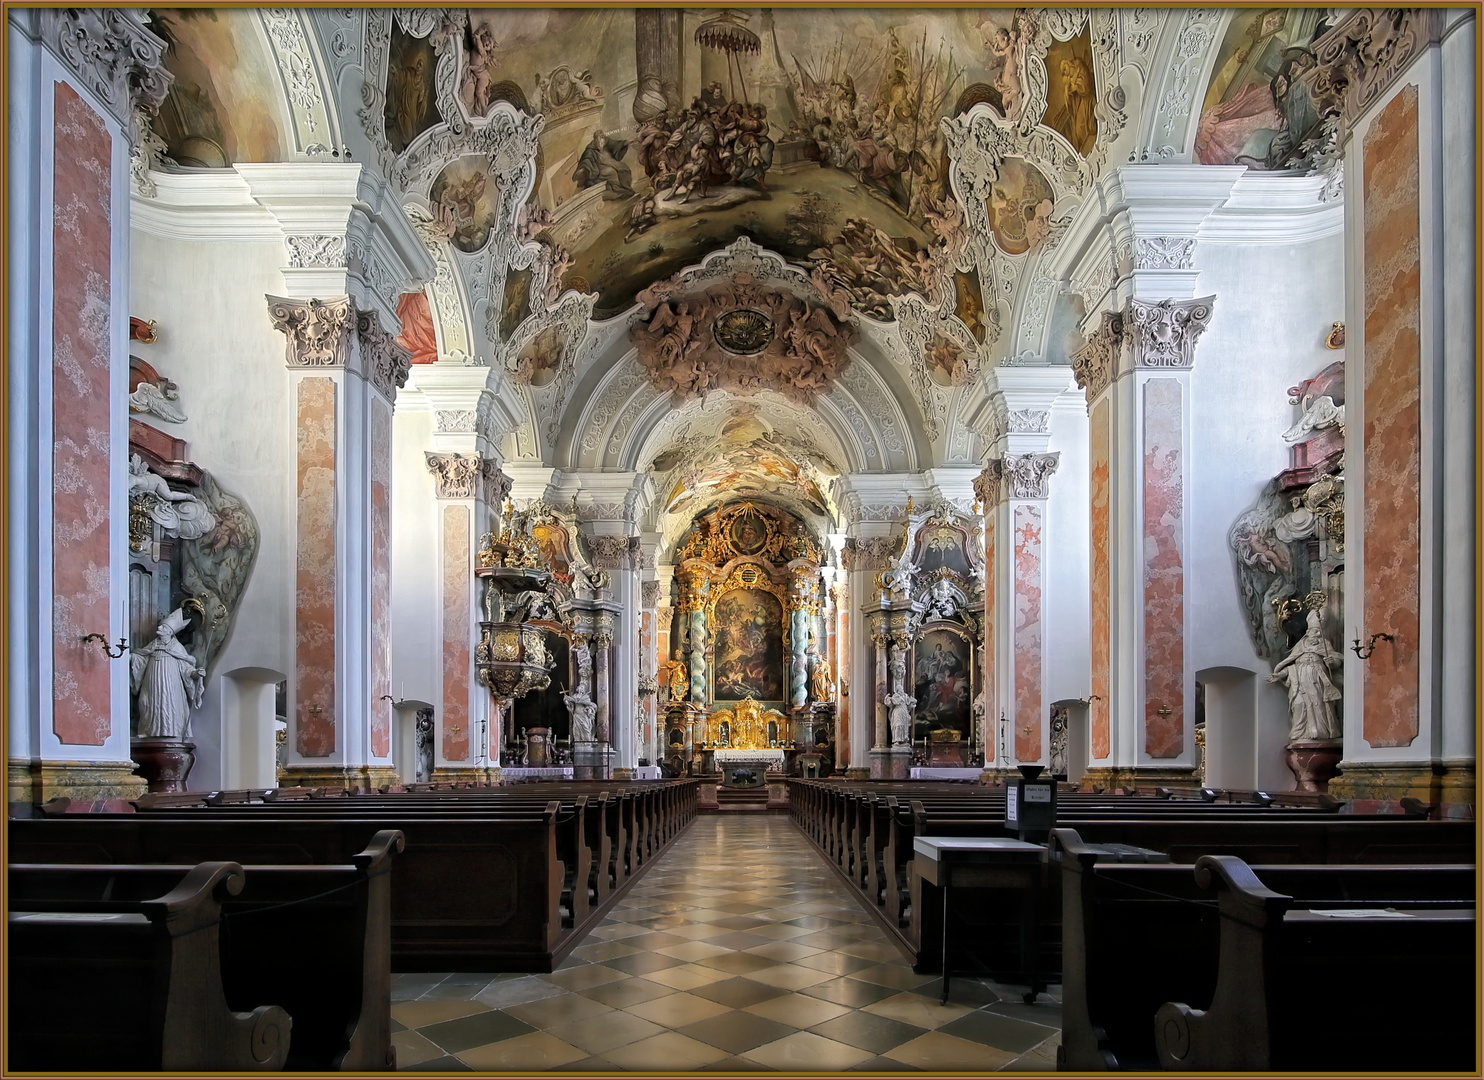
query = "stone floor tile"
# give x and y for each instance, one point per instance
(937, 1052)
(798, 1010)
(737, 1031)
(459, 1035)
(527, 1053)
(691, 951)
(804, 1050)
(627, 992)
(599, 1034)
(644, 963)
(738, 993)
(1003, 1032)
(669, 1051)
(413, 1048)
(550, 1012)
(580, 978)
(897, 975)
(836, 963)
(689, 977)
(737, 963)
(500, 995)
(867, 1031)
(789, 976)
(599, 951)
(850, 992)
(786, 951)
(915, 1009)
(442, 1064)
(417, 1013)
(677, 1010)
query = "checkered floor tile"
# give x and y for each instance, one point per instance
(740, 950)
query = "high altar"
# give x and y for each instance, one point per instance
(755, 678)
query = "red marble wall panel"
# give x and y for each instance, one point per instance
(457, 586)
(1392, 431)
(1027, 632)
(647, 659)
(314, 610)
(1102, 585)
(82, 310)
(991, 687)
(1164, 570)
(842, 680)
(381, 577)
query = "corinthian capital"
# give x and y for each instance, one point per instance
(384, 362)
(1095, 364)
(318, 332)
(1026, 475)
(989, 484)
(454, 474)
(112, 54)
(1163, 334)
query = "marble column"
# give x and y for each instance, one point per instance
(467, 716)
(1136, 373)
(1015, 492)
(603, 685)
(75, 79)
(881, 739)
(345, 369)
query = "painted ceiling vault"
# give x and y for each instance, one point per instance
(740, 250)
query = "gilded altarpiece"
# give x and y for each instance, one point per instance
(749, 615)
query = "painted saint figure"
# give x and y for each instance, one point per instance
(601, 163)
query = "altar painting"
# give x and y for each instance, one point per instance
(749, 646)
(942, 673)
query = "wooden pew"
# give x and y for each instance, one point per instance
(1389, 986)
(471, 893)
(133, 984)
(334, 920)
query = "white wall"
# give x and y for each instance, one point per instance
(1275, 303)
(216, 342)
(1066, 629)
(417, 596)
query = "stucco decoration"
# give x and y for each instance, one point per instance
(216, 565)
(1163, 334)
(455, 475)
(1169, 133)
(113, 54)
(993, 158)
(317, 332)
(613, 552)
(384, 362)
(1095, 364)
(315, 126)
(1026, 475)
(690, 344)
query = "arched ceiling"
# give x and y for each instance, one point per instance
(897, 180)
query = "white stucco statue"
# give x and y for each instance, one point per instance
(897, 665)
(900, 718)
(580, 704)
(584, 712)
(168, 682)
(176, 512)
(1311, 691)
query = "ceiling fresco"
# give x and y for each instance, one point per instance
(820, 228)
(221, 106)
